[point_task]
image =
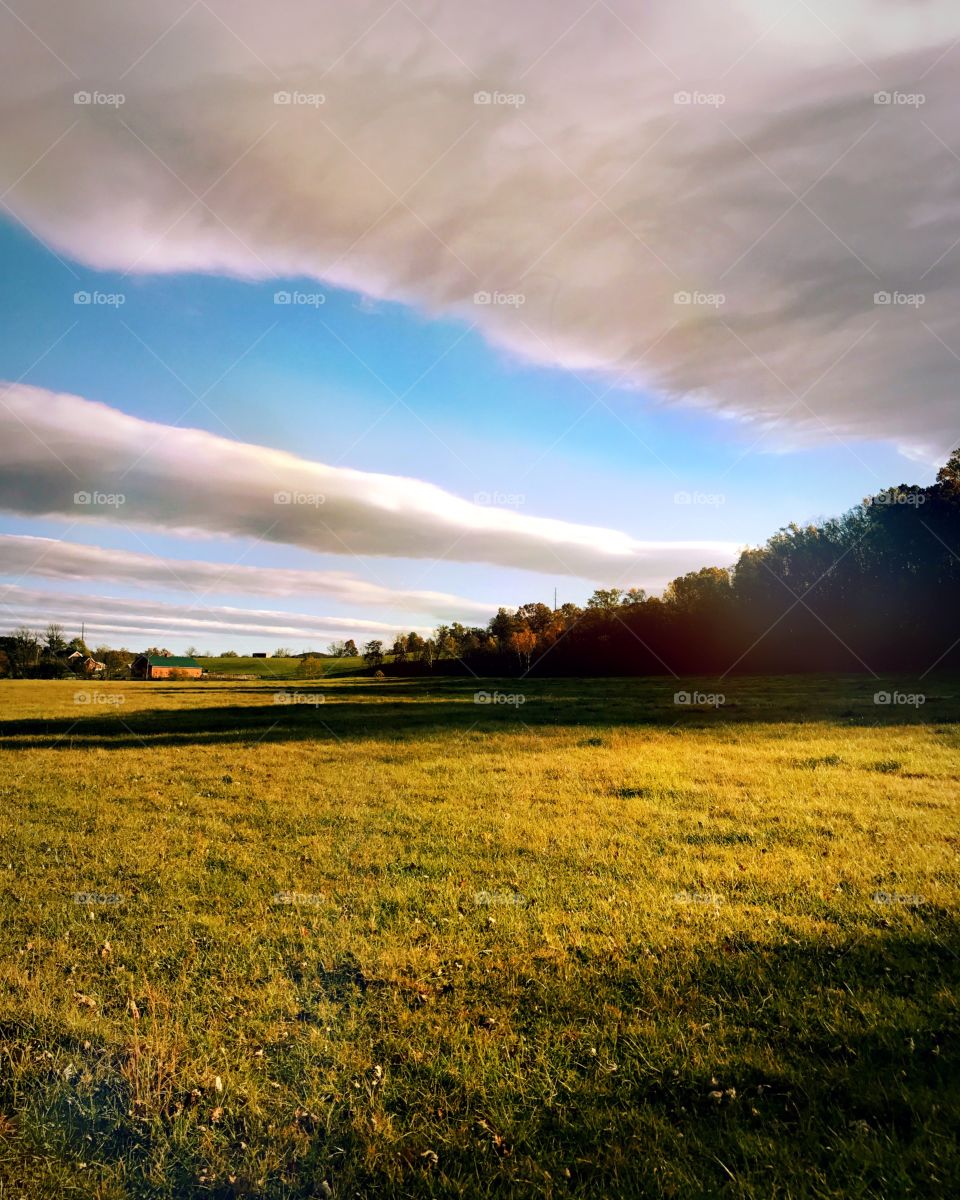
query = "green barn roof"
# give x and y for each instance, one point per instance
(158, 660)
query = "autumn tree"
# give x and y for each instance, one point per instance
(310, 667)
(535, 616)
(699, 590)
(523, 642)
(502, 627)
(605, 599)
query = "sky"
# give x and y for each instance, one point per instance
(388, 314)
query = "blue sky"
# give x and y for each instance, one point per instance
(318, 381)
(322, 381)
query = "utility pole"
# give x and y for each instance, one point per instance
(554, 599)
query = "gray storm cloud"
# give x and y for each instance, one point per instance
(748, 207)
(66, 456)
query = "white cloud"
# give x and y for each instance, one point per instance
(74, 562)
(599, 198)
(122, 618)
(63, 455)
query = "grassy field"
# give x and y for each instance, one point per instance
(371, 938)
(279, 668)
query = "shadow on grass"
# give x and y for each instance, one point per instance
(767, 1068)
(408, 709)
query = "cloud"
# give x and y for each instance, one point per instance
(78, 563)
(121, 618)
(625, 156)
(63, 455)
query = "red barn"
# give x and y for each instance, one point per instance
(157, 666)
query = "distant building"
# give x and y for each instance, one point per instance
(157, 666)
(83, 664)
(261, 654)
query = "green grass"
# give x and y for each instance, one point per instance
(279, 668)
(401, 944)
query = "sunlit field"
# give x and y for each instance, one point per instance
(280, 668)
(362, 937)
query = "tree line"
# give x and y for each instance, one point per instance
(41, 656)
(877, 589)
